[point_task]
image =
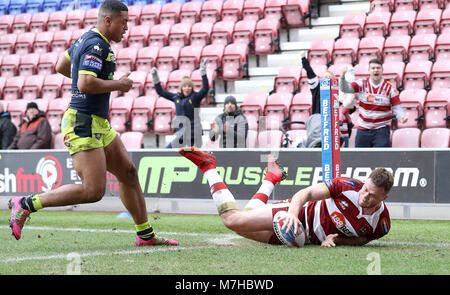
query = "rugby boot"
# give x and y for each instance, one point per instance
(18, 216)
(155, 241)
(275, 173)
(204, 161)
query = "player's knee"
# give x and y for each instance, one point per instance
(129, 174)
(94, 194)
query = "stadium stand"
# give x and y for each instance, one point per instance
(252, 47)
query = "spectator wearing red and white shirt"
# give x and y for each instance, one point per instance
(377, 98)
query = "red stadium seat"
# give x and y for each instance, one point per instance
(345, 50)
(393, 72)
(321, 51)
(42, 104)
(300, 109)
(277, 109)
(442, 48)
(244, 31)
(211, 11)
(119, 113)
(150, 14)
(132, 139)
(77, 34)
(142, 113)
(222, 32)
(6, 22)
(145, 58)
(90, 19)
(436, 108)
(296, 136)
(294, 11)
(274, 9)
(406, 5)
(39, 22)
(58, 141)
(75, 19)
(167, 59)
(370, 47)
(32, 86)
(406, 138)
(189, 58)
(197, 80)
(253, 107)
(377, 24)
(288, 79)
(61, 41)
(396, 48)
(17, 109)
(149, 89)
(51, 88)
(7, 43)
(201, 33)
(56, 109)
(417, 74)
(159, 35)
(162, 116)
(270, 138)
(337, 68)
(170, 13)
(267, 36)
(13, 88)
(66, 88)
(28, 64)
(214, 53)
(138, 36)
(440, 75)
(361, 70)
(435, 138)
(57, 21)
(47, 62)
(179, 34)
(190, 12)
(10, 65)
(139, 79)
(253, 9)
(234, 61)
(42, 42)
(24, 43)
(352, 25)
(422, 47)
(232, 10)
(134, 14)
(21, 23)
(412, 101)
(427, 21)
(444, 26)
(402, 22)
(126, 59)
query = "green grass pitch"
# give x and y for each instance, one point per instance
(99, 243)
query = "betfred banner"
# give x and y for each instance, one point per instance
(165, 174)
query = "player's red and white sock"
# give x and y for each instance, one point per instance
(222, 197)
(262, 195)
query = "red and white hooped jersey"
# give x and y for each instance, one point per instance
(375, 103)
(341, 214)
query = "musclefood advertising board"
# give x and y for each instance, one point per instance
(420, 176)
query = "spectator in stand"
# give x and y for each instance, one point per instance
(377, 98)
(34, 132)
(231, 126)
(7, 129)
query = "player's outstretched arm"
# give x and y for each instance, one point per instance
(93, 85)
(333, 240)
(312, 193)
(63, 66)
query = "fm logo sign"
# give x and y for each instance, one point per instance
(157, 174)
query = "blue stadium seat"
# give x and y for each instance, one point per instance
(51, 5)
(67, 5)
(17, 7)
(34, 6)
(142, 2)
(86, 4)
(4, 4)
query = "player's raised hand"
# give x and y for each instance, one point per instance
(125, 83)
(155, 77)
(343, 71)
(203, 66)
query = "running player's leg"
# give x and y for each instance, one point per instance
(131, 195)
(90, 166)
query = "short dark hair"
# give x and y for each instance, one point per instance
(376, 61)
(382, 178)
(111, 8)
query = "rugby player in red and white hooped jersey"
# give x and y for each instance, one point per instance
(377, 98)
(343, 211)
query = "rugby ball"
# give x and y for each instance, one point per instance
(288, 238)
